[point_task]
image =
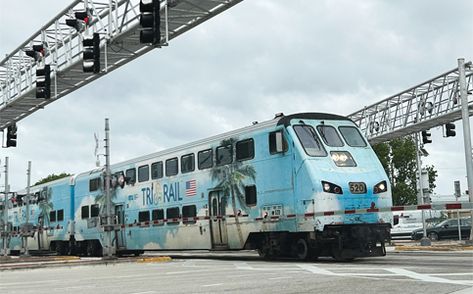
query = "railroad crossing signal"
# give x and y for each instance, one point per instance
(150, 22)
(81, 21)
(43, 82)
(426, 137)
(450, 130)
(91, 54)
(11, 136)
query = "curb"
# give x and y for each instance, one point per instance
(154, 259)
(432, 248)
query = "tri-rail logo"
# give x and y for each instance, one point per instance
(168, 192)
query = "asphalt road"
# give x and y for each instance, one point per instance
(197, 272)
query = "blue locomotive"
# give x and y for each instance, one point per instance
(260, 187)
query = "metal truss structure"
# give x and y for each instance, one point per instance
(430, 104)
(117, 23)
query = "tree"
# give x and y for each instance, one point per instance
(51, 177)
(230, 180)
(398, 158)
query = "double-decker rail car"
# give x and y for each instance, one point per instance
(260, 187)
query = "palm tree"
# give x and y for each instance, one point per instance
(45, 205)
(230, 179)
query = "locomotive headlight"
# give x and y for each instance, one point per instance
(342, 158)
(380, 187)
(331, 188)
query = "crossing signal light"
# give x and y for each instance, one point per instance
(450, 130)
(37, 52)
(91, 54)
(426, 137)
(43, 82)
(150, 22)
(11, 136)
(81, 21)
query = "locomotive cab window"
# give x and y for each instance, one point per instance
(94, 184)
(245, 149)
(143, 173)
(171, 167)
(224, 154)
(277, 142)
(94, 210)
(309, 140)
(60, 215)
(187, 163)
(130, 176)
(172, 215)
(84, 212)
(330, 136)
(157, 170)
(250, 195)
(352, 136)
(205, 159)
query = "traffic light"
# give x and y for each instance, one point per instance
(450, 130)
(81, 21)
(426, 137)
(150, 22)
(91, 54)
(37, 53)
(11, 135)
(43, 82)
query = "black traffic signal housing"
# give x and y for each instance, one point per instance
(450, 130)
(426, 137)
(37, 52)
(11, 136)
(81, 21)
(43, 82)
(91, 54)
(150, 22)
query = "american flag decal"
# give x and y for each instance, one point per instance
(191, 188)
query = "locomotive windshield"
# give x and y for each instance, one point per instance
(309, 140)
(330, 136)
(352, 136)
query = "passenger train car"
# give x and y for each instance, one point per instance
(260, 187)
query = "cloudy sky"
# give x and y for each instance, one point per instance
(259, 58)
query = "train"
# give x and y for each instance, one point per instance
(261, 187)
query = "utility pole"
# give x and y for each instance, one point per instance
(424, 241)
(27, 222)
(466, 134)
(109, 226)
(5, 212)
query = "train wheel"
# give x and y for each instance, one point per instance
(301, 251)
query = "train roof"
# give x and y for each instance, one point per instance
(279, 119)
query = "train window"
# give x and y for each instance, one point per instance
(94, 184)
(143, 216)
(157, 214)
(352, 136)
(224, 154)
(172, 215)
(205, 158)
(143, 173)
(60, 215)
(157, 170)
(309, 140)
(189, 211)
(250, 195)
(52, 216)
(330, 136)
(171, 167)
(187, 163)
(245, 149)
(130, 176)
(84, 212)
(277, 142)
(94, 210)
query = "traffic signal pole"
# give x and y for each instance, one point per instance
(5, 212)
(466, 134)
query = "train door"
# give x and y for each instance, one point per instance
(42, 235)
(120, 234)
(218, 225)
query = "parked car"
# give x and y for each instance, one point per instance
(448, 229)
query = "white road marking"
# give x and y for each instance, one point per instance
(423, 277)
(212, 285)
(317, 270)
(147, 292)
(280, 278)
